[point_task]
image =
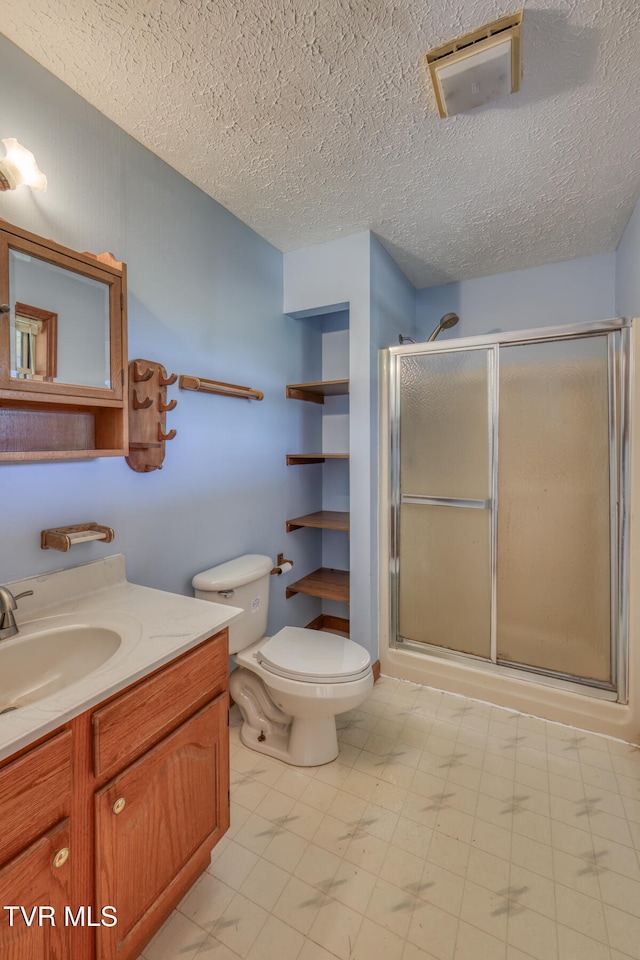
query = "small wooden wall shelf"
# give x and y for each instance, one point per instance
(297, 458)
(321, 520)
(148, 382)
(316, 391)
(63, 538)
(325, 582)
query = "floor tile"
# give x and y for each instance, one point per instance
(179, 937)
(206, 901)
(445, 830)
(581, 913)
(336, 928)
(485, 910)
(433, 930)
(474, 944)
(392, 907)
(276, 941)
(298, 904)
(377, 943)
(234, 865)
(534, 934)
(264, 884)
(240, 924)
(353, 886)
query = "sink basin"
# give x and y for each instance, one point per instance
(36, 664)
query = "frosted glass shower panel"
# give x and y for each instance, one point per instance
(445, 578)
(444, 424)
(554, 580)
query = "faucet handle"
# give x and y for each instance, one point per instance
(25, 593)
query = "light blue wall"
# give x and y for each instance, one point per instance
(628, 268)
(574, 291)
(393, 312)
(393, 300)
(205, 298)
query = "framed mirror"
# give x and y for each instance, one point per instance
(62, 320)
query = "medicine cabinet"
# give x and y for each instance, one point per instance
(63, 350)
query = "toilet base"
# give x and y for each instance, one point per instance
(306, 743)
(266, 728)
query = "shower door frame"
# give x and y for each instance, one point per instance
(618, 332)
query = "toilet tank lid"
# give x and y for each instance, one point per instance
(233, 573)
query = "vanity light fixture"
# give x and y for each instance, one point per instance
(18, 167)
(478, 67)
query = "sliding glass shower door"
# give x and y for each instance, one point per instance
(554, 538)
(445, 510)
(508, 469)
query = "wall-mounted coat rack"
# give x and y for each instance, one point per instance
(217, 386)
(148, 382)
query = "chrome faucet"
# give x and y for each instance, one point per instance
(9, 603)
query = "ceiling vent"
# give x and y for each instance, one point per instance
(478, 67)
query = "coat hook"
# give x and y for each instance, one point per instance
(139, 404)
(141, 377)
(166, 436)
(167, 406)
(166, 381)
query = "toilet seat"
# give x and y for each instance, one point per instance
(313, 656)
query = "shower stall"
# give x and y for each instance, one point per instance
(508, 503)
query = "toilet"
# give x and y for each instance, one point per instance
(289, 687)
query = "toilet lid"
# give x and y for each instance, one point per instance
(313, 655)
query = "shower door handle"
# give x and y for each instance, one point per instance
(448, 502)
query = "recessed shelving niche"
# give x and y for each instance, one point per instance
(330, 583)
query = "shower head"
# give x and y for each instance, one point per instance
(449, 320)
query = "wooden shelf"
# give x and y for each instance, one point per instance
(330, 624)
(297, 458)
(325, 582)
(321, 520)
(316, 391)
(57, 431)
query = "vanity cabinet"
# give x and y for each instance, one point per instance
(159, 818)
(156, 824)
(35, 867)
(39, 876)
(120, 809)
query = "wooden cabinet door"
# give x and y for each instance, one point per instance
(175, 809)
(31, 880)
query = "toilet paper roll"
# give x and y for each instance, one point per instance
(285, 567)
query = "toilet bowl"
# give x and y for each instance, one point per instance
(289, 687)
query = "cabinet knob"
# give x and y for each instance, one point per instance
(119, 805)
(61, 857)
(5, 308)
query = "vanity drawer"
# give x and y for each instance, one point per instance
(35, 793)
(141, 717)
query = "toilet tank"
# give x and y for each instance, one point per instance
(243, 582)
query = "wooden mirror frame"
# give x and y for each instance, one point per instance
(45, 420)
(104, 268)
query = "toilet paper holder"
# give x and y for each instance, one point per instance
(282, 566)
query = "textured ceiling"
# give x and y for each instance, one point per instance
(311, 119)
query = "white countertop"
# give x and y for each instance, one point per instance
(155, 627)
